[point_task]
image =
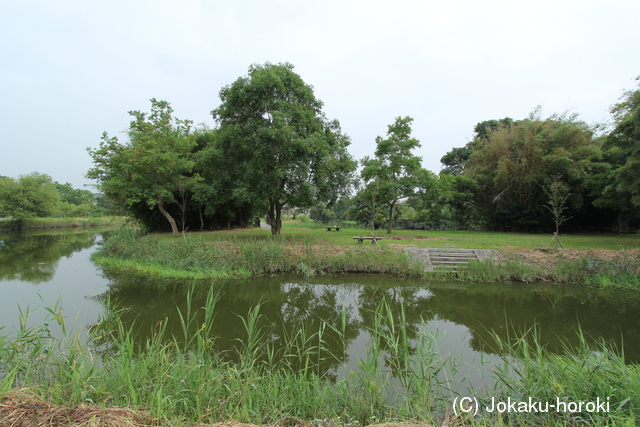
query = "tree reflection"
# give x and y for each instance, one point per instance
(557, 313)
(345, 308)
(34, 258)
(285, 308)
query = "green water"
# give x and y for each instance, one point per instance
(37, 269)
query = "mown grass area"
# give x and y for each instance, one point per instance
(249, 252)
(46, 223)
(298, 230)
(182, 380)
(457, 239)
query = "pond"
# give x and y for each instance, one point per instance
(39, 269)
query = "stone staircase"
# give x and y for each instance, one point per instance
(451, 259)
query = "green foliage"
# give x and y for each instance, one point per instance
(180, 378)
(395, 172)
(201, 257)
(446, 203)
(153, 168)
(511, 163)
(620, 273)
(626, 137)
(277, 144)
(74, 196)
(29, 196)
(617, 184)
(583, 374)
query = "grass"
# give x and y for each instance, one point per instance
(47, 223)
(214, 256)
(581, 374)
(298, 230)
(181, 380)
(251, 252)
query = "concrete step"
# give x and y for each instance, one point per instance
(451, 259)
(442, 262)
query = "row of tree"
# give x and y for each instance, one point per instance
(37, 195)
(525, 173)
(273, 147)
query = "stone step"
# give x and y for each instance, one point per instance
(451, 257)
(452, 254)
(451, 250)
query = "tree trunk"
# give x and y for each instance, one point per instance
(174, 227)
(272, 218)
(619, 223)
(391, 205)
(276, 217)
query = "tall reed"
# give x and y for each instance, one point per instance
(403, 374)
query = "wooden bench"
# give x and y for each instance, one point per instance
(333, 228)
(372, 239)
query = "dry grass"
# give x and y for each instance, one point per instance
(22, 409)
(549, 258)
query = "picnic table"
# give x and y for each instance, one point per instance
(372, 239)
(333, 228)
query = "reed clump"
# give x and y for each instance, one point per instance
(591, 374)
(181, 379)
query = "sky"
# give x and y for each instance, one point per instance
(70, 70)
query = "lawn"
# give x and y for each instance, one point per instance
(296, 231)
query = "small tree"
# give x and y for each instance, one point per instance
(153, 167)
(558, 194)
(395, 169)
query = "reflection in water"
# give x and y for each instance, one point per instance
(34, 258)
(290, 303)
(470, 315)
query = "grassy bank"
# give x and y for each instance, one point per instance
(207, 256)
(243, 253)
(47, 223)
(181, 380)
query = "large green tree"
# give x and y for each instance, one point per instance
(278, 144)
(617, 184)
(395, 172)
(29, 196)
(624, 141)
(153, 168)
(512, 163)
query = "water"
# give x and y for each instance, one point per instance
(38, 269)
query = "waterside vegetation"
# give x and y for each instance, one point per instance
(181, 380)
(69, 222)
(611, 261)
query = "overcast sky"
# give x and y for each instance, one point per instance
(70, 70)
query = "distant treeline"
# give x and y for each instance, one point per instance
(274, 149)
(36, 195)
